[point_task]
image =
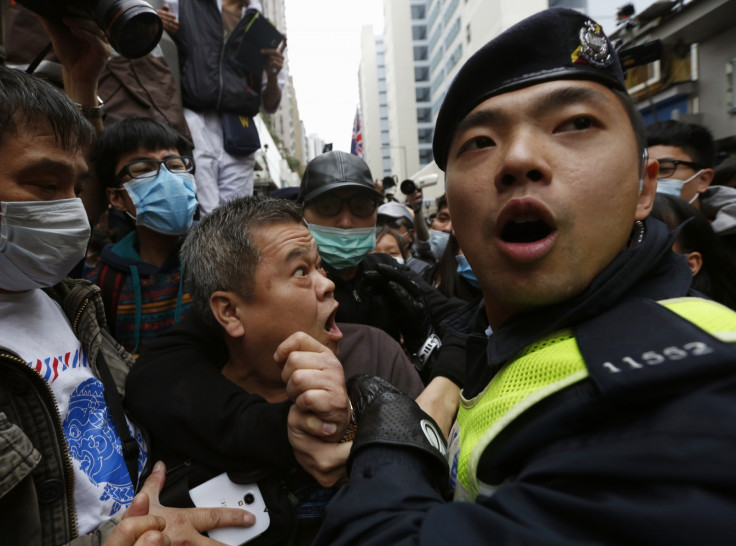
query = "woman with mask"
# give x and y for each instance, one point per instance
(149, 178)
(389, 241)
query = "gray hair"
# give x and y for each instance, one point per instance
(25, 99)
(219, 253)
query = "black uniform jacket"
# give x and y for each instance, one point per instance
(623, 458)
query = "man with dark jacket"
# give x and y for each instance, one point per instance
(602, 407)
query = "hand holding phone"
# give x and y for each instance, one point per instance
(221, 492)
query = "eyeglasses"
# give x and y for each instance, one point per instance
(668, 166)
(360, 205)
(148, 168)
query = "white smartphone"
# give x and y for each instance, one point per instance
(220, 491)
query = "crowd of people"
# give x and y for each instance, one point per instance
(545, 358)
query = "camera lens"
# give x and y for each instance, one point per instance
(408, 187)
(249, 498)
(132, 26)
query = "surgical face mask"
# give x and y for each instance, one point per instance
(165, 203)
(438, 242)
(464, 270)
(40, 242)
(343, 248)
(399, 260)
(673, 186)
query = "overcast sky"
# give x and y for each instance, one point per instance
(324, 56)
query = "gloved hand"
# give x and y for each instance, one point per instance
(388, 417)
(413, 315)
(364, 388)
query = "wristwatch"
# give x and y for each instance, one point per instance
(352, 427)
(92, 112)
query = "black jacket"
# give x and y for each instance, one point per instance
(638, 459)
(214, 72)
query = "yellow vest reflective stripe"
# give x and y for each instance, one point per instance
(542, 369)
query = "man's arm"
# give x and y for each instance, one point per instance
(177, 392)
(83, 50)
(319, 418)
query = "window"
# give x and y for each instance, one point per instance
(421, 73)
(420, 53)
(419, 32)
(422, 94)
(417, 12)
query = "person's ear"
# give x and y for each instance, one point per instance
(227, 307)
(116, 199)
(695, 261)
(703, 180)
(648, 183)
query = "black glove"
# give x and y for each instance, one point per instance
(388, 417)
(413, 315)
(364, 388)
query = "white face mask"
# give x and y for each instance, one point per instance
(399, 260)
(40, 242)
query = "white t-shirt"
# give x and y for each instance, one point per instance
(35, 327)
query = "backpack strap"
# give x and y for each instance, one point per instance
(115, 405)
(111, 282)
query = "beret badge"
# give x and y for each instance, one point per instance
(594, 47)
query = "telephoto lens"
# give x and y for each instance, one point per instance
(132, 26)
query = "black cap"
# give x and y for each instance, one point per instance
(554, 44)
(334, 170)
(290, 193)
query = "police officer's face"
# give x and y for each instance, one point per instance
(543, 191)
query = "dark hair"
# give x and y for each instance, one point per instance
(386, 230)
(725, 173)
(219, 253)
(716, 277)
(695, 140)
(441, 201)
(26, 99)
(129, 135)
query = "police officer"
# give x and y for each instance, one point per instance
(602, 408)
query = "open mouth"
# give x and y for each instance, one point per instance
(525, 229)
(331, 326)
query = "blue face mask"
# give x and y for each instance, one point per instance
(464, 270)
(438, 242)
(673, 186)
(343, 248)
(166, 203)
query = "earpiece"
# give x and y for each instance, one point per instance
(643, 169)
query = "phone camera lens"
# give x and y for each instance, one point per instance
(249, 498)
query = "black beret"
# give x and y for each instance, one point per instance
(554, 44)
(333, 170)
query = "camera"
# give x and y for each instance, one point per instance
(132, 26)
(408, 186)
